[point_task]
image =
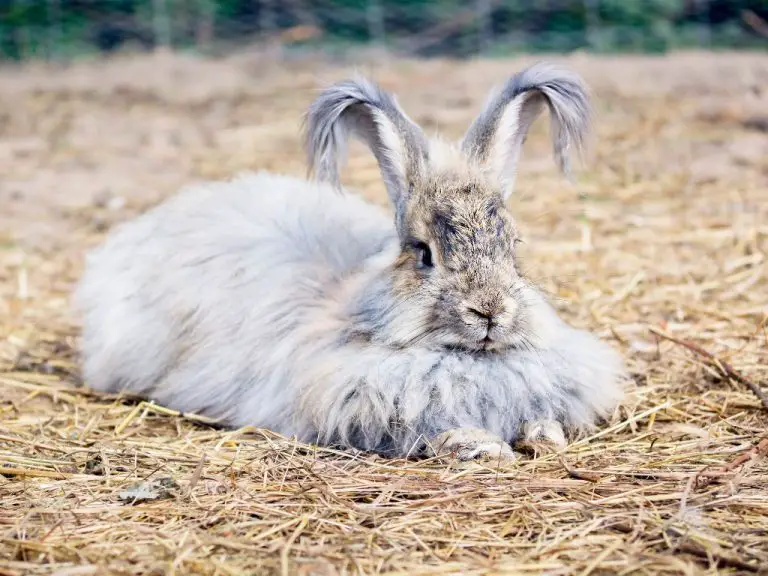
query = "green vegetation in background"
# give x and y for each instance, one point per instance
(66, 28)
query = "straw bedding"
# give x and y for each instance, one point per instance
(660, 248)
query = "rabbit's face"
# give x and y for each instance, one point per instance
(458, 262)
(456, 282)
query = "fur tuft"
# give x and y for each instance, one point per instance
(361, 108)
(497, 135)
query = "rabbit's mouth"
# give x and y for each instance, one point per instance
(486, 342)
(485, 346)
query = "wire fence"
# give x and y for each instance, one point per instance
(65, 29)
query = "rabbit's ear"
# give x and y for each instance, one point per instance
(361, 108)
(496, 137)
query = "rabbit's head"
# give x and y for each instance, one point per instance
(456, 282)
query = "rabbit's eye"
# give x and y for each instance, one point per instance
(424, 254)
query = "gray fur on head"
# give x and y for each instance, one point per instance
(361, 108)
(496, 137)
(276, 302)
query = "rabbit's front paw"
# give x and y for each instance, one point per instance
(544, 432)
(471, 444)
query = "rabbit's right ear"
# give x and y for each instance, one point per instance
(361, 108)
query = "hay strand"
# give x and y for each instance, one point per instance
(721, 365)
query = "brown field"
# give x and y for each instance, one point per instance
(664, 236)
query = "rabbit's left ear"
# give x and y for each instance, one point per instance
(361, 108)
(495, 139)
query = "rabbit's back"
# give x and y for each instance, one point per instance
(185, 303)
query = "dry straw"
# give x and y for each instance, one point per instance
(663, 253)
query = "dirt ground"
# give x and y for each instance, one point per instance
(665, 235)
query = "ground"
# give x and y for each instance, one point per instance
(663, 237)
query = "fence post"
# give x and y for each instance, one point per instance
(161, 23)
(702, 9)
(592, 22)
(375, 17)
(53, 37)
(206, 24)
(485, 25)
(266, 17)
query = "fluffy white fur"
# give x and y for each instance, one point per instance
(285, 304)
(233, 300)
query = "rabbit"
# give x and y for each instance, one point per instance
(289, 304)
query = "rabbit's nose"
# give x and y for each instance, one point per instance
(488, 312)
(482, 314)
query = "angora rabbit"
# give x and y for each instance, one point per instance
(289, 305)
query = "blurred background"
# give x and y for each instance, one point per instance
(64, 29)
(109, 107)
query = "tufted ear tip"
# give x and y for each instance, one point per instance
(497, 135)
(359, 107)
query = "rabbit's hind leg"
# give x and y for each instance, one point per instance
(471, 444)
